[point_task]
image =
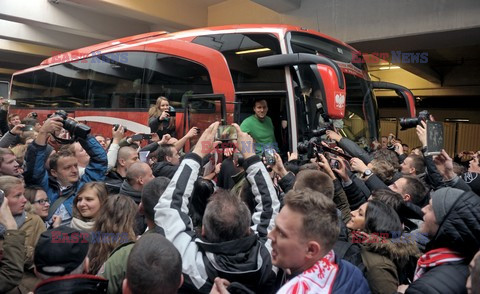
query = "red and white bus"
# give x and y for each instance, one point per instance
(211, 74)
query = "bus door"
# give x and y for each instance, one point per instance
(401, 91)
(201, 111)
(4, 87)
(319, 93)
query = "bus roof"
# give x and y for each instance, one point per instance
(188, 34)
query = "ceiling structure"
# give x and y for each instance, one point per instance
(445, 35)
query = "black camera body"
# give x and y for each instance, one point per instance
(74, 128)
(412, 122)
(311, 147)
(320, 131)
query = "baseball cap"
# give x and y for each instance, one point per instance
(59, 251)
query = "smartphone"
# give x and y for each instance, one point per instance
(435, 140)
(226, 133)
(143, 156)
(334, 164)
(147, 136)
(27, 128)
(269, 154)
(390, 140)
(2, 196)
(137, 137)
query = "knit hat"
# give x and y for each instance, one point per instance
(443, 200)
(60, 251)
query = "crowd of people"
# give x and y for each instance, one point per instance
(90, 217)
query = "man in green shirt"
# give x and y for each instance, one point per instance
(260, 127)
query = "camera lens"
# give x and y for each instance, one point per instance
(408, 122)
(319, 132)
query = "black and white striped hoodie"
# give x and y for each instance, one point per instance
(246, 260)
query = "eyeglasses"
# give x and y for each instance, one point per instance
(42, 201)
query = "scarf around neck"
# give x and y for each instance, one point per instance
(19, 219)
(435, 258)
(81, 225)
(317, 279)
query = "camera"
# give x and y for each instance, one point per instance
(334, 164)
(269, 154)
(139, 137)
(320, 131)
(226, 133)
(27, 128)
(116, 126)
(411, 122)
(311, 148)
(74, 128)
(390, 140)
(34, 115)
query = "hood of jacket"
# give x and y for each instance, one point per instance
(128, 190)
(244, 260)
(399, 250)
(114, 175)
(460, 229)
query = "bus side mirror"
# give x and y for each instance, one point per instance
(281, 60)
(335, 97)
(327, 72)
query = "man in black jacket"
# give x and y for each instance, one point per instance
(228, 248)
(114, 179)
(168, 160)
(451, 222)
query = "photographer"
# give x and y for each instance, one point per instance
(64, 181)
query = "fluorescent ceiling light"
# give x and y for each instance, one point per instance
(253, 51)
(389, 67)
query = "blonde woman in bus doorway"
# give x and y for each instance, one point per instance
(161, 118)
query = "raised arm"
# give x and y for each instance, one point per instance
(171, 211)
(36, 156)
(97, 166)
(267, 203)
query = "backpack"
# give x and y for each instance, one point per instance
(350, 252)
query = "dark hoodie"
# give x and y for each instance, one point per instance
(164, 169)
(244, 260)
(459, 231)
(127, 190)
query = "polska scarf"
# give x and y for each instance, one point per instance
(435, 258)
(317, 279)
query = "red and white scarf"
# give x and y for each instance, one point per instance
(435, 258)
(317, 279)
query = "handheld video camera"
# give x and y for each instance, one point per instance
(412, 122)
(74, 128)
